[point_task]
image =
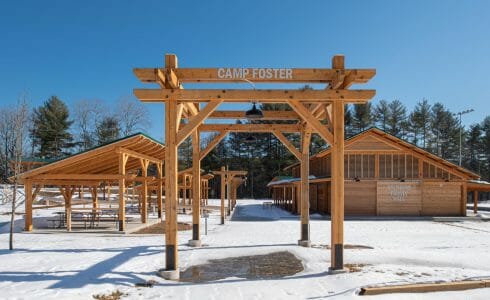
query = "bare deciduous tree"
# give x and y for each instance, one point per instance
(87, 113)
(17, 121)
(132, 116)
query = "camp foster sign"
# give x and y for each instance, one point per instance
(255, 73)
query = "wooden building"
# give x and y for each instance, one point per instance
(384, 175)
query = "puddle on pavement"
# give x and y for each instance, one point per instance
(270, 266)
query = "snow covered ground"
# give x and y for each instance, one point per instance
(65, 265)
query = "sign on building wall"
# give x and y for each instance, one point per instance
(399, 198)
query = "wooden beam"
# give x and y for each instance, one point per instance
(305, 188)
(197, 120)
(288, 144)
(425, 287)
(264, 96)
(222, 194)
(123, 158)
(251, 127)
(196, 186)
(268, 115)
(303, 75)
(309, 119)
(79, 176)
(171, 181)
(337, 202)
(475, 201)
(138, 155)
(28, 205)
(215, 141)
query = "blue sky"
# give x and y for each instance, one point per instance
(439, 50)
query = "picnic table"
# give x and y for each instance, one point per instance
(91, 218)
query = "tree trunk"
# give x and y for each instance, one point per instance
(12, 219)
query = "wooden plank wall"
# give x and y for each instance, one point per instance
(399, 198)
(360, 198)
(441, 199)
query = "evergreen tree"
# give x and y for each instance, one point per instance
(382, 115)
(185, 154)
(473, 148)
(445, 132)
(362, 117)
(420, 121)
(107, 130)
(349, 130)
(397, 118)
(485, 157)
(50, 131)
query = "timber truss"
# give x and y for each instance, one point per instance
(319, 111)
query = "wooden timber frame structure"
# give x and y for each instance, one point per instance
(230, 180)
(311, 109)
(384, 176)
(122, 162)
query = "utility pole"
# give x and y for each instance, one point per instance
(461, 129)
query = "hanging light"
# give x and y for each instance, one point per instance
(250, 139)
(254, 113)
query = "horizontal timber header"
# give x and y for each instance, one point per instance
(271, 75)
(262, 96)
(251, 127)
(268, 115)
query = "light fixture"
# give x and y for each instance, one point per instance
(250, 139)
(254, 113)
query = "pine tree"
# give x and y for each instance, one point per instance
(445, 132)
(185, 154)
(473, 148)
(349, 130)
(420, 121)
(397, 116)
(485, 157)
(362, 117)
(381, 115)
(50, 131)
(108, 130)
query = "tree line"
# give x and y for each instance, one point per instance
(432, 127)
(52, 131)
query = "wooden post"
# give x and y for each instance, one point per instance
(95, 201)
(123, 158)
(28, 205)
(144, 190)
(196, 186)
(475, 201)
(171, 184)
(67, 194)
(159, 191)
(184, 189)
(223, 191)
(464, 198)
(305, 188)
(337, 203)
(228, 192)
(206, 191)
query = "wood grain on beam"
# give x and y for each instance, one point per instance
(263, 96)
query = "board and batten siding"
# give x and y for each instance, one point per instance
(441, 199)
(395, 198)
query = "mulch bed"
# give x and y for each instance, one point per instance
(159, 228)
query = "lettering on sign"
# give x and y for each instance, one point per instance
(399, 192)
(255, 73)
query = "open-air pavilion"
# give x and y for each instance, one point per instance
(124, 162)
(319, 111)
